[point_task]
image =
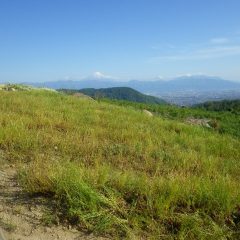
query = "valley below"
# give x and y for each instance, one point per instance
(194, 97)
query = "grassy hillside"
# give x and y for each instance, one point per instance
(224, 122)
(118, 172)
(120, 93)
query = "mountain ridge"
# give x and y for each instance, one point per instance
(185, 83)
(118, 93)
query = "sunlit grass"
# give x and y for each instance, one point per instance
(117, 171)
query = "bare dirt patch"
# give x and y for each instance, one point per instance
(22, 217)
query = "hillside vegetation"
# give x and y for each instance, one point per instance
(120, 93)
(222, 121)
(219, 106)
(115, 171)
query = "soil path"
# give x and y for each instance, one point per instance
(21, 216)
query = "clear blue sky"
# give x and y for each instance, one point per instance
(42, 40)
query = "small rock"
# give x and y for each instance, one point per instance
(147, 113)
(198, 121)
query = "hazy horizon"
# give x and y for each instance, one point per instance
(129, 40)
(104, 78)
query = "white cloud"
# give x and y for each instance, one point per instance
(205, 53)
(190, 74)
(218, 47)
(186, 75)
(100, 75)
(160, 77)
(221, 40)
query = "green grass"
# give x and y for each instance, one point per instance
(115, 171)
(224, 121)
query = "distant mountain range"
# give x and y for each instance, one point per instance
(193, 83)
(185, 83)
(186, 90)
(119, 93)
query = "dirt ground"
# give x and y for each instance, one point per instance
(21, 217)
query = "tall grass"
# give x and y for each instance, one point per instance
(113, 170)
(224, 121)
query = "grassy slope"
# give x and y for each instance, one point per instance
(116, 171)
(224, 122)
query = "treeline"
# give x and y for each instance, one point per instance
(225, 105)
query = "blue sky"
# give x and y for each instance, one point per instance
(47, 40)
